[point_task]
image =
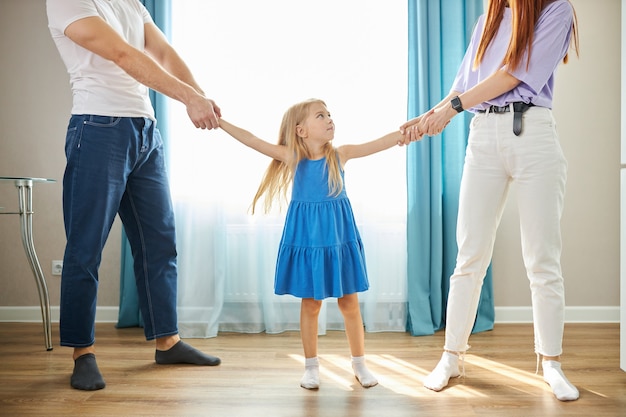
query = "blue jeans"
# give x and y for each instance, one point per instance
(115, 165)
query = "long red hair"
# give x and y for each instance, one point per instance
(525, 16)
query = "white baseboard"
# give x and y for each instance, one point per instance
(585, 314)
(582, 314)
(33, 314)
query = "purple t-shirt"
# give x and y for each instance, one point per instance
(550, 44)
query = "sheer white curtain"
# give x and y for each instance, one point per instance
(255, 59)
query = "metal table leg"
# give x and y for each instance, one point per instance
(25, 194)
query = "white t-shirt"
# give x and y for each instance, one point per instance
(98, 85)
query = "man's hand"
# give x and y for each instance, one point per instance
(204, 113)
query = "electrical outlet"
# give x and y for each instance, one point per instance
(57, 267)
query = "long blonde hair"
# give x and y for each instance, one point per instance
(279, 175)
(525, 16)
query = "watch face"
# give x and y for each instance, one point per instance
(456, 104)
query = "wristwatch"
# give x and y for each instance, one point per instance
(456, 104)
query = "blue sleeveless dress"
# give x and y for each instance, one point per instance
(320, 254)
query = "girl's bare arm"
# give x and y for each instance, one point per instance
(274, 151)
(347, 152)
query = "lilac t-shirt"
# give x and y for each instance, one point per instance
(550, 44)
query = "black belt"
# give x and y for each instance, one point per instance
(519, 107)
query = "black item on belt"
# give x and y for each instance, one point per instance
(519, 107)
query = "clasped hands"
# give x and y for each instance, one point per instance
(430, 123)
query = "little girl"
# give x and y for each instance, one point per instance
(321, 254)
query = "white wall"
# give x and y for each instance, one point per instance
(587, 110)
(36, 102)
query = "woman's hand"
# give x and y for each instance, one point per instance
(437, 120)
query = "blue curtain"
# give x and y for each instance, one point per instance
(129, 315)
(439, 32)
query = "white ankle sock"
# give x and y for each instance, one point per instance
(311, 377)
(362, 374)
(448, 367)
(561, 387)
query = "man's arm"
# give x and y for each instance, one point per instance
(157, 47)
(97, 36)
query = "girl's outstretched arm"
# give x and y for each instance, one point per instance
(347, 152)
(274, 151)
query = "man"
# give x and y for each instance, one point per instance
(114, 54)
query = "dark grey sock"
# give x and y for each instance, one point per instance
(181, 352)
(86, 375)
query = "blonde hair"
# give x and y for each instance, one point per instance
(279, 175)
(525, 16)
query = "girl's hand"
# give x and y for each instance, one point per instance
(413, 134)
(406, 138)
(410, 123)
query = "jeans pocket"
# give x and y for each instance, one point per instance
(72, 140)
(102, 121)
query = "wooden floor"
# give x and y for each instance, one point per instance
(260, 374)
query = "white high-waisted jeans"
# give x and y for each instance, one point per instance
(494, 159)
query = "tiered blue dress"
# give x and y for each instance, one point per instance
(320, 254)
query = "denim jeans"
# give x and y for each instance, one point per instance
(494, 159)
(115, 165)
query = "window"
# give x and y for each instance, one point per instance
(255, 59)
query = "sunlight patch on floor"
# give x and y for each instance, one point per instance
(406, 378)
(392, 373)
(598, 394)
(524, 377)
(326, 372)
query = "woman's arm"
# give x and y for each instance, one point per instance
(493, 86)
(278, 152)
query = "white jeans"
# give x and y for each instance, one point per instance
(495, 158)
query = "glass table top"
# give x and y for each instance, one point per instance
(27, 179)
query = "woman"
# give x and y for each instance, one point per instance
(507, 80)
